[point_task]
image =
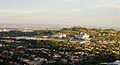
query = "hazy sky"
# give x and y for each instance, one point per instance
(79, 12)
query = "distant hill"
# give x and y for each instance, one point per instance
(49, 26)
(34, 26)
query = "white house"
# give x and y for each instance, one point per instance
(82, 36)
(60, 35)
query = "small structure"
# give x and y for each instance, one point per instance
(8, 41)
(60, 35)
(112, 63)
(56, 56)
(1, 45)
(82, 36)
(4, 30)
(27, 30)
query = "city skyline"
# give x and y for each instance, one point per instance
(76, 12)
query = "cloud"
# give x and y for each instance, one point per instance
(26, 11)
(110, 4)
(13, 11)
(97, 6)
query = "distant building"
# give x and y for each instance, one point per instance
(8, 41)
(27, 30)
(8, 29)
(60, 35)
(4, 30)
(56, 56)
(112, 63)
(82, 36)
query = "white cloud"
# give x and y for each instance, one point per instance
(25, 11)
(104, 5)
(13, 11)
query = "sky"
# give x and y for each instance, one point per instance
(76, 12)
